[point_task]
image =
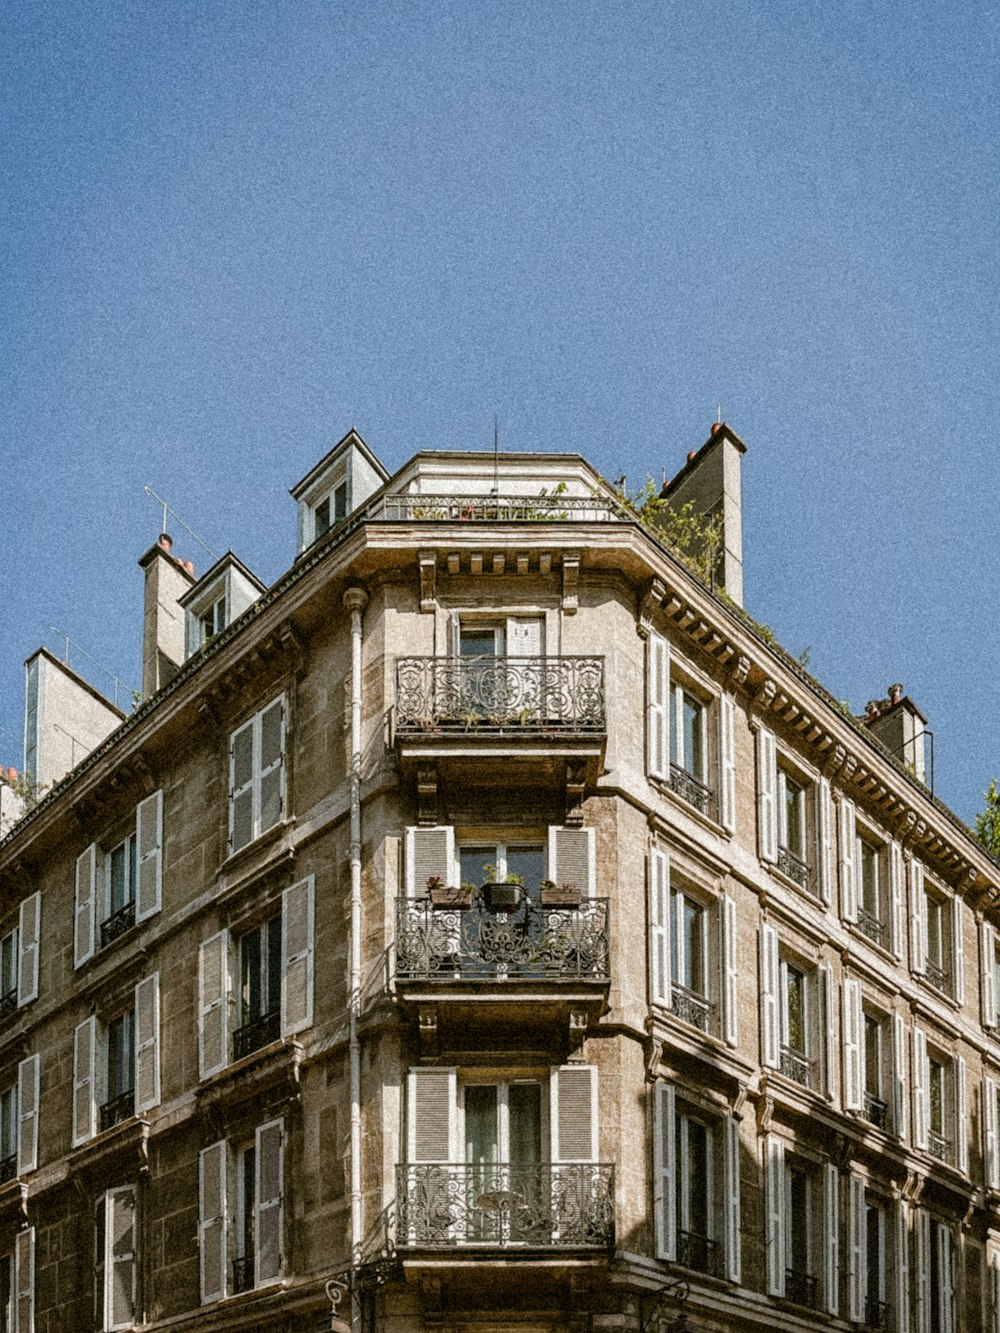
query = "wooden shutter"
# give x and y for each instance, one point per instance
(27, 1114)
(727, 762)
(659, 927)
(767, 795)
(242, 766)
(995, 1292)
(297, 936)
(24, 1280)
(213, 1220)
(665, 1171)
(268, 1207)
(898, 1052)
(730, 1005)
(987, 967)
(918, 918)
(147, 1043)
(770, 1013)
(958, 949)
(991, 1159)
(573, 1112)
(857, 1247)
(657, 706)
(119, 1258)
(571, 858)
(824, 840)
(429, 852)
(946, 1279)
(431, 1115)
(524, 636)
(897, 930)
(920, 1088)
(827, 1028)
(271, 790)
(213, 1004)
(731, 1203)
(86, 904)
(923, 1272)
(831, 1238)
(961, 1116)
(853, 1045)
(902, 1265)
(775, 1149)
(85, 1081)
(848, 861)
(149, 841)
(29, 931)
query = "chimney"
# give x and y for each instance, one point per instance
(167, 580)
(901, 727)
(710, 479)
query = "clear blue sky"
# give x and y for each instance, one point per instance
(230, 231)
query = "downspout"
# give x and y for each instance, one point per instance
(355, 601)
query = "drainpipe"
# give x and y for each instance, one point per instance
(355, 601)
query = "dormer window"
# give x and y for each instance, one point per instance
(213, 621)
(330, 511)
(218, 598)
(337, 486)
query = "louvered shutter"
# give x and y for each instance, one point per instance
(727, 918)
(213, 1004)
(665, 1172)
(119, 1258)
(86, 904)
(149, 839)
(856, 1243)
(429, 852)
(659, 927)
(727, 764)
(902, 1266)
(147, 1043)
(657, 706)
(573, 1110)
(770, 1014)
(988, 953)
(946, 1281)
(831, 1238)
(272, 765)
(524, 636)
(853, 1038)
(27, 1114)
(731, 1145)
(29, 931)
(24, 1279)
(767, 794)
(920, 1088)
(961, 1116)
(571, 858)
(242, 766)
(213, 1220)
(898, 1053)
(431, 1107)
(991, 1159)
(84, 1081)
(269, 1203)
(775, 1149)
(897, 929)
(958, 948)
(995, 1292)
(918, 918)
(828, 1028)
(824, 840)
(848, 861)
(923, 1272)
(297, 935)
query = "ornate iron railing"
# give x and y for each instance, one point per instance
(794, 867)
(550, 1205)
(261, 1032)
(119, 1108)
(796, 1065)
(533, 942)
(938, 976)
(8, 1168)
(499, 509)
(8, 1004)
(870, 926)
(876, 1111)
(691, 1008)
(117, 924)
(937, 1145)
(490, 694)
(243, 1274)
(689, 788)
(698, 1252)
(801, 1288)
(876, 1315)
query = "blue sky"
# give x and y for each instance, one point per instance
(231, 231)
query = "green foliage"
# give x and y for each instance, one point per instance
(988, 820)
(804, 656)
(694, 538)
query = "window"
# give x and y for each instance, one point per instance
(796, 1001)
(935, 1274)
(868, 1279)
(116, 1064)
(8, 1134)
(873, 1061)
(119, 1082)
(989, 971)
(872, 907)
(803, 1227)
(8, 973)
(875, 1107)
(689, 960)
(937, 935)
(689, 748)
(331, 510)
(17, 1284)
(115, 1259)
(256, 775)
(7, 1324)
(793, 852)
(793, 819)
(121, 868)
(265, 971)
(502, 862)
(940, 1107)
(512, 636)
(249, 1253)
(212, 620)
(120, 887)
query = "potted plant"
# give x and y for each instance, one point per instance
(502, 895)
(448, 895)
(560, 895)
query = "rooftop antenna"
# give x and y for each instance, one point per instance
(718, 414)
(167, 510)
(496, 455)
(119, 683)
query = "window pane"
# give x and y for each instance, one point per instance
(936, 1097)
(528, 862)
(322, 512)
(794, 822)
(873, 1246)
(8, 1123)
(273, 935)
(340, 502)
(121, 1055)
(248, 1200)
(118, 878)
(934, 931)
(481, 642)
(797, 1222)
(473, 862)
(869, 880)
(873, 1058)
(8, 963)
(270, 736)
(694, 755)
(251, 977)
(524, 1102)
(481, 1125)
(6, 1287)
(695, 1194)
(796, 1009)
(694, 933)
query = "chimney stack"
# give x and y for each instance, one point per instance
(167, 580)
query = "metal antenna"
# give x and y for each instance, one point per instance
(167, 510)
(119, 683)
(718, 415)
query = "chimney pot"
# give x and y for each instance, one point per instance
(189, 566)
(693, 454)
(895, 693)
(166, 541)
(716, 426)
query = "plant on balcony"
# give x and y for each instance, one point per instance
(449, 895)
(560, 895)
(502, 894)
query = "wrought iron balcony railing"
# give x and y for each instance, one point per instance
(261, 1032)
(938, 976)
(8, 1004)
(691, 1008)
(532, 943)
(8, 1168)
(794, 867)
(698, 1252)
(117, 1109)
(117, 924)
(243, 1274)
(689, 788)
(802, 1288)
(876, 1111)
(499, 509)
(530, 695)
(937, 1145)
(546, 1205)
(870, 926)
(876, 1315)
(797, 1066)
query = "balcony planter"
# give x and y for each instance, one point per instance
(560, 895)
(502, 897)
(449, 895)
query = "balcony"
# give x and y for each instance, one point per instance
(871, 927)
(876, 1111)
(796, 1066)
(699, 1253)
(938, 976)
(116, 1110)
(691, 1008)
(8, 1004)
(117, 924)
(498, 509)
(546, 1206)
(876, 1315)
(243, 1275)
(801, 1288)
(690, 789)
(8, 1168)
(794, 867)
(260, 1032)
(937, 1145)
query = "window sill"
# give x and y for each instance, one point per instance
(706, 821)
(805, 893)
(129, 1137)
(929, 986)
(241, 868)
(882, 950)
(262, 1070)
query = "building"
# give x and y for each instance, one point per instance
(490, 914)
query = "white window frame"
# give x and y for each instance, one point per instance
(108, 1200)
(258, 773)
(680, 692)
